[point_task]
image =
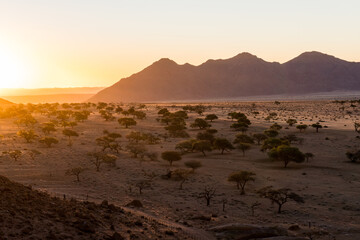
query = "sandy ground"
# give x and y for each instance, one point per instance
(328, 183)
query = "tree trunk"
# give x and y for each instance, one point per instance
(279, 209)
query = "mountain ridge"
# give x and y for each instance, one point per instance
(242, 75)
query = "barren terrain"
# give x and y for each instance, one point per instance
(329, 183)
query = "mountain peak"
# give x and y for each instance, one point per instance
(164, 61)
(313, 56)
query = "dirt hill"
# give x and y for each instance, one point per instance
(29, 214)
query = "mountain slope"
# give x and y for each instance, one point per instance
(5, 103)
(242, 75)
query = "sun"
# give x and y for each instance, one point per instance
(13, 72)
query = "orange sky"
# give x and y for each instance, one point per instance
(96, 43)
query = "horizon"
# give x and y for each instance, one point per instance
(76, 44)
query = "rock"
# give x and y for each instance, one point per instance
(246, 231)
(294, 227)
(135, 203)
(116, 236)
(84, 226)
(284, 238)
(203, 218)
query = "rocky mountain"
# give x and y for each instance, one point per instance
(242, 75)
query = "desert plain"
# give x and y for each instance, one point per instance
(328, 182)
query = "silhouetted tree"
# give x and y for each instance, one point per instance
(280, 196)
(223, 145)
(171, 156)
(241, 178)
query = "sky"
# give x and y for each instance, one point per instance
(73, 43)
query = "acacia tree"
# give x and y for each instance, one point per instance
(28, 135)
(316, 126)
(33, 152)
(243, 147)
(241, 178)
(48, 141)
(126, 122)
(185, 146)
(291, 122)
(259, 137)
(75, 172)
(271, 133)
(280, 196)
(181, 175)
(200, 123)
(171, 156)
(287, 154)
(223, 145)
(48, 127)
(302, 127)
(70, 133)
(193, 164)
(211, 117)
(202, 146)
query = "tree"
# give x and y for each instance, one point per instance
(185, 146)
(271, 143)
(240, 126)
(98, 158)
(171, 156)
(202, 146)
(302, 127)
(28, 135)
(200, 123)
(48, 141)
(308, 156)
(243, 147)
(205, 136)
(357, 127)
(181, 175)
(136, 149)
(291, 122)
(276, 127)
(211, 117)
(70, 133)
(280, 196)
(33, 153)
(243, 138)
(208, 194)
(271, 133)
(193, 164)
(48, 127)
(127, 122)
(223, 145)
(287, 154)
(109, 141)
(142, 184)
(75, 172)
(241, 178)
(259, 137)
(316, 126)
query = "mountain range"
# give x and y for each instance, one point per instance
(240, 76)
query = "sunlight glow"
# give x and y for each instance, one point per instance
(13, 71)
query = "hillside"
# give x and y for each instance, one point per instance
(29, 214)
(5, 103)
(242, 75)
